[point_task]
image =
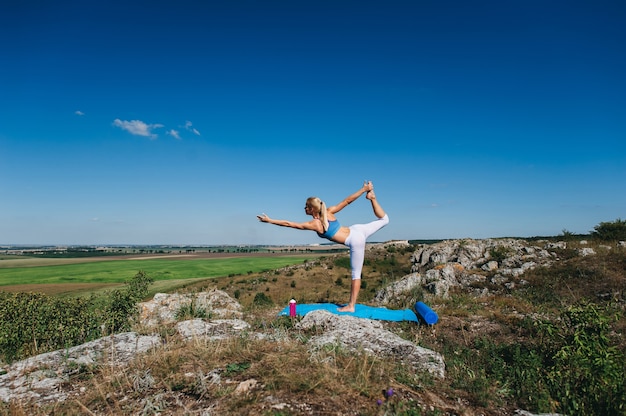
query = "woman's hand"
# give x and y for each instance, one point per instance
(368, 186)
(263, 217)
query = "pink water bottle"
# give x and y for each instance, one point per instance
(292, 308)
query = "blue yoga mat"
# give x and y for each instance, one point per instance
(360, 311)
(426, 313)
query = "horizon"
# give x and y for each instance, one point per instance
(478, 120)
(410, 240)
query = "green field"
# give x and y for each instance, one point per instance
(119, 271)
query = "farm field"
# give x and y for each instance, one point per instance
(87, 275)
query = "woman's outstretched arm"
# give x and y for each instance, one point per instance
(367, 186)
(310, 225)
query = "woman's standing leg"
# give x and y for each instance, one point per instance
(356, 242)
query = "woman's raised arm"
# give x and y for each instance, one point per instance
(367, 186)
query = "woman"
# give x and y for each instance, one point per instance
(327, 226)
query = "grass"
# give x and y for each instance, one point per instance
(159, 269)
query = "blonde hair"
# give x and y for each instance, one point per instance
(318, 207)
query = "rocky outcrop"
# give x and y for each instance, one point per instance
(462, 263)
(163, 308)
(369, 336)
(40, 377)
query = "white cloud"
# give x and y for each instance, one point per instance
(79, 113)
(190, 127)
(174, 134)
(137, 127)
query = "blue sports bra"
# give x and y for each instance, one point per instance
(333, 227)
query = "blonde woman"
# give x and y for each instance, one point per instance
(325, 224)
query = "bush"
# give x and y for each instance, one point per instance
(261, 299)
(570, 365)
(610, 231)
(34, 323)
(120, 306)
(588, 372)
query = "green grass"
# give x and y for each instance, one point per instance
(159, 269)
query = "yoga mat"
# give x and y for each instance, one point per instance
(360, 311)
(428, 315)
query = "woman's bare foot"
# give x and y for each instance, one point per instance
(347, 308)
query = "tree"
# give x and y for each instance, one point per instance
(610, 231)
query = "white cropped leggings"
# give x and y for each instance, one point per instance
(356, 242)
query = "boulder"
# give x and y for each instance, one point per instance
(405, 285)
(40, 377)
(213, 330)
(369, 336)
(163, 307)
(463, 263)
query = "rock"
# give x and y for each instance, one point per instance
(245, 386)
(40, 377)
(587, 251)
(163, 307)
(439, 280)
(404, 285)
(213, 330)
(463, 263)
(526, 413)
(490, 266)
(357, 334)
(559, 245)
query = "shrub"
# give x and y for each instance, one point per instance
(500, 253)
(261, 299)
(33, 323)
(610, 231)
(588, 372)
(570, 365)
(120, 306)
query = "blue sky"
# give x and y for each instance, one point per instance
(158, 122)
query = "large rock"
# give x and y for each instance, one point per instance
(463, 263)
(405, 285)
(212, 330)
(357, 334)
(163, 307)
(40, 377)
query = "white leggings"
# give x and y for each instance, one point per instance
(356, 241)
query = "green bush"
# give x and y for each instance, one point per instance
(261, 299)
(570, 365)
(343, 262)
(610, 231)
(120, 306)
(34, 323)
(587, 374)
